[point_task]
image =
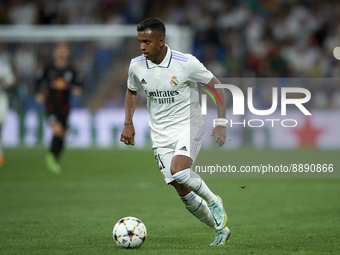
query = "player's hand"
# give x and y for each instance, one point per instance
(221, 133)
(77, 91)
(128, 135)
(39, 98)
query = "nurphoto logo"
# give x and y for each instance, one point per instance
(239, 99)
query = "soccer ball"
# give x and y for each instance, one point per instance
(129, 232)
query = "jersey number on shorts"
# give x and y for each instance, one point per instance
(159, 162)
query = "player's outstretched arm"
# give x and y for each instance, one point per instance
(219, 131)
(128, 134)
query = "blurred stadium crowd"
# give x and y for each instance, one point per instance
(250, 38)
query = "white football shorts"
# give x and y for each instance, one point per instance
(188, 144)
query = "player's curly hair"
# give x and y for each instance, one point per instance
(154, 24)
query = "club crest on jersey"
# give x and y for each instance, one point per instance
(174, 81)
(59, 84)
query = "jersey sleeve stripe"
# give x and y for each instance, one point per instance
(180, 59)
(137, 59)
(186, 59)
(180, 55)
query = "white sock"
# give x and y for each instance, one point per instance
(198, 207)
(194, 182)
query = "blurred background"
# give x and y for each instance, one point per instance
(241, 39)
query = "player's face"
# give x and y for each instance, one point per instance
(151, 43)
(61, 51)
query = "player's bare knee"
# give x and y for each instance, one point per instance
(175, 169)
(179, 163)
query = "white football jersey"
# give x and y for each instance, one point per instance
(171, 91)
(7, 79)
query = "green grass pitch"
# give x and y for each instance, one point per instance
(74, 213)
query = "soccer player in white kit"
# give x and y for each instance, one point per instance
(169, 80)
(7, 79)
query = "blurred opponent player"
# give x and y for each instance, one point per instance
(54, 86)
(7, 79)
(169, 80)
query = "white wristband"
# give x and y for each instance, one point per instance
(220, 122)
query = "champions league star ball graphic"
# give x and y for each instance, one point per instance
(129, 233)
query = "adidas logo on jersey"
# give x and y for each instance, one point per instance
(183, 148)
(143, 81)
